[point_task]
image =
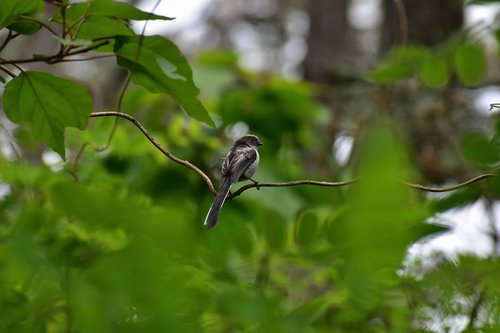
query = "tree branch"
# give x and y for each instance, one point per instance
(53, 58)
(292, 183)
(157, 145)
(450, 188)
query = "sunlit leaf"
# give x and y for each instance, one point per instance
(160, 67)
(48, 104)
(389, 73)
(470, 64)
(434, 72)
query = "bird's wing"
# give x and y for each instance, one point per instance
(240, 162)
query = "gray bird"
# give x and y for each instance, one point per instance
(239, 164)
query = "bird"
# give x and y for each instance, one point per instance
(239, 164)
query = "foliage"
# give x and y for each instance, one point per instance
(112, 241)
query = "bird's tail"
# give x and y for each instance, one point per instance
(213, 213)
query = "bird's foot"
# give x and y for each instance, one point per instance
(256, 183)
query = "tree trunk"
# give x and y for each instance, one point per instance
(330, 45)
(429, 22)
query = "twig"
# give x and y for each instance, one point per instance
(292, 183)
(450, 188)
(129, 76)
(53, 58)
(10, 36)
(474, 312)
(403, 21)
(43, 24)
(87, 59)
(277, 184)
(7, 71)
(157, 145)
(494, 105)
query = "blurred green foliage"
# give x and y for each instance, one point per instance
(112, 241)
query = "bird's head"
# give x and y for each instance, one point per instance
(249, 140)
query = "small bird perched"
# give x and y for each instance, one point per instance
(239, 164)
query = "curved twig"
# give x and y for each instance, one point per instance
(450, 188)
(494, 106)
(292, 183)
(277, 184)
(156, 144)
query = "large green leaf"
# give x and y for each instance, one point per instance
(110, 8)
(48, 104)
(160, 67)
(9, 9)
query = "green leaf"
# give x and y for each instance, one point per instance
(10, 9)
(102, 27)
(76, 42)
(389, 73)
(161, 67)
(434, 72)
(24, 27)
(470, 64)
(48, 104)
(112, 9)
(478, 149)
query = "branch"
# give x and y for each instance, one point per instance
(53, 58)
(292, 183)
(8, 72)
(450, 188)
(277, 184)
(157, 145)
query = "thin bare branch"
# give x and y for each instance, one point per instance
(53, 58)
(277, 184)
(2, 68)
(450, 188)
(157, 145)
(292, 183)
(41, 23)
(403, 21)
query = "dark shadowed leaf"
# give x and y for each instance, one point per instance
(10, 9)
(161, 67)
(48, 104)
(478, 149)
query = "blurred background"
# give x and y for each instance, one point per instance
(394, 90)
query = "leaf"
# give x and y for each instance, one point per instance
(470, 64)
(434, 72)
(76, 42)
(161, 67)
(48, 104)
(112, 9)
(10, 9)
(101, 27)
(389, 73)
(478, 149)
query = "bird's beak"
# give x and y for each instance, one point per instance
(260, 144)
